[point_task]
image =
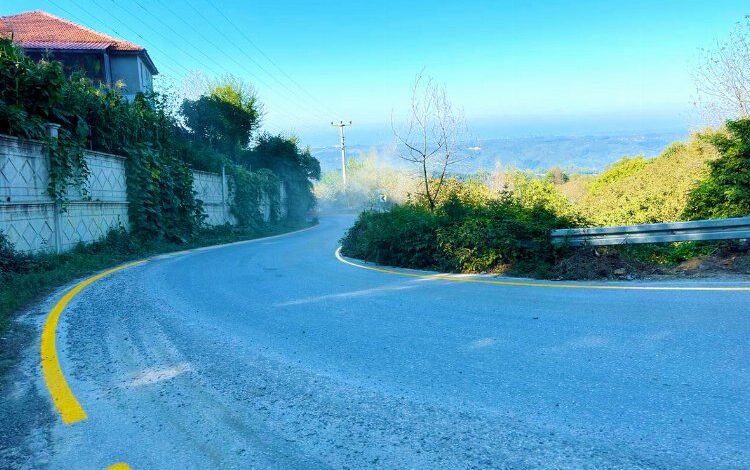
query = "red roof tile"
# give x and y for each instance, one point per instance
(41, 30)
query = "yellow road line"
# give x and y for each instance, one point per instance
(63, 397)
(65, 401)
(119, 466)
(548, 285)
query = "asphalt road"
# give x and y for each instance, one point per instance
(275, 354)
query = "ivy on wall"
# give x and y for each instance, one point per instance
(68, 167)
(161, 200)
(248, 190)
(32, 94)
(159, 144)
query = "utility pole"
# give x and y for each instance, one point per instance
(341, 125)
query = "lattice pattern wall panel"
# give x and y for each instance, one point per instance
(216, 214)
(107, 179)
(265, 207)
(29, 227)
(30, 220)
(85, 222)
(207, 187)
(283, 201)
(28, 215)
(24, 171)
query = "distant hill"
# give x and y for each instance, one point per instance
(573, 153)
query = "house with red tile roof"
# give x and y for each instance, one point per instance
(104, 59)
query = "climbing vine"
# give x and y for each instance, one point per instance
(248, 191)
(158, 143)
(161, 201)
(31, 95)
(68, 167)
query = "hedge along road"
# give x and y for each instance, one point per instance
(275, 354)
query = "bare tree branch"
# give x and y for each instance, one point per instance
(723, 79)
(431, 136)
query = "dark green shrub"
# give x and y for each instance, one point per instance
(726, 190)
(460, 235)
(496, 236)
(404, 236)
(11, 261)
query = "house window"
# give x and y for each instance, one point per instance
(145, 78)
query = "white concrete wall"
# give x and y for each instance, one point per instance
(30, 218)
(33, 222)
(283, 201)
(212, 191)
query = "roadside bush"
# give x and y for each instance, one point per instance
(725, 192)
(404, 236)
(498, 236)
(639, 191)
(11, 261)
(467, 232)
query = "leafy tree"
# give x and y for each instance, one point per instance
(226, 117)
(726, 190)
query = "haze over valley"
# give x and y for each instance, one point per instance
(584, 154)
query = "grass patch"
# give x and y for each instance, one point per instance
(26, 278)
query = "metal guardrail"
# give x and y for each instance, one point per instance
(715, 229)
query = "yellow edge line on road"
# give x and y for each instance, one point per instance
(66, 403)
(548, 285)
(119, 466)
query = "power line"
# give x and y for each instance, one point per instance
(218, 72)
(126, 26)
(286, 115)
(154, 47)
(252, 43)
(217, 49)
(176, 47)
(76, 18)
(249, 57)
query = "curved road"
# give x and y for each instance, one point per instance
(275, 354)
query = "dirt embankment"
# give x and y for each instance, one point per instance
(590, 263)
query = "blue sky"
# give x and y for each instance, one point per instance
(516, 67)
